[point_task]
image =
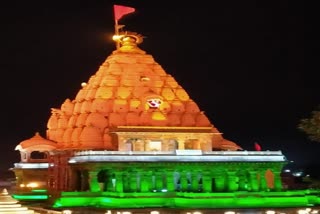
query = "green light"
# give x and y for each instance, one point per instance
(39, 190)
(189, 200)
(30, 197)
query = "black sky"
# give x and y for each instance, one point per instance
(252, 66)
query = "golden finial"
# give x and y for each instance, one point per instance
(128, 41)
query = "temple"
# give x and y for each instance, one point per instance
(132, 133)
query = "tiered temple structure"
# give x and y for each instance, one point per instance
(133, 137)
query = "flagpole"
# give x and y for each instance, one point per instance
(116, 29)
(120, 11)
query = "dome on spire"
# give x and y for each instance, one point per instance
(37, 143)
(129, 42)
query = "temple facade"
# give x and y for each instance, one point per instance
(133, 132)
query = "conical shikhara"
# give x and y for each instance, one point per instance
(129, 89)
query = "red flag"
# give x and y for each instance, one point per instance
(257, 147)
(120, 11)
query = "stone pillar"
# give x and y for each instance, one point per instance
(159, 180)
(220, 182)
(181, 144)
(93, 181)
(170, 181)
(126, 182)
(110, 179)
(133, 181)
(253, 179)
(243, 186)
(165, 145)
(207, 182)
(139, 145)
(118, 181)
(232, 181)
(122, 143)
(145, 181)
(263, 181)
(195, 181)
(277, 181)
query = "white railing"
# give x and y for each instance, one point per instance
(243, 153)
(31, 165)
(178, 152)
(177, 158)
(105, 152)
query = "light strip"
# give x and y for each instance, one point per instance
(31, 165)
(173, 158)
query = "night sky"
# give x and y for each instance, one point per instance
(251, 66)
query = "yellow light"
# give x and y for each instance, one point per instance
(32, 185)
(302, 212)
(270, 212)
(22, 185)
(116, 37)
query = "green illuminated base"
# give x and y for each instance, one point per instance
(189, 200)
(30, 197)
(36, 194)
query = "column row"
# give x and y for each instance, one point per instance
(179, 181)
